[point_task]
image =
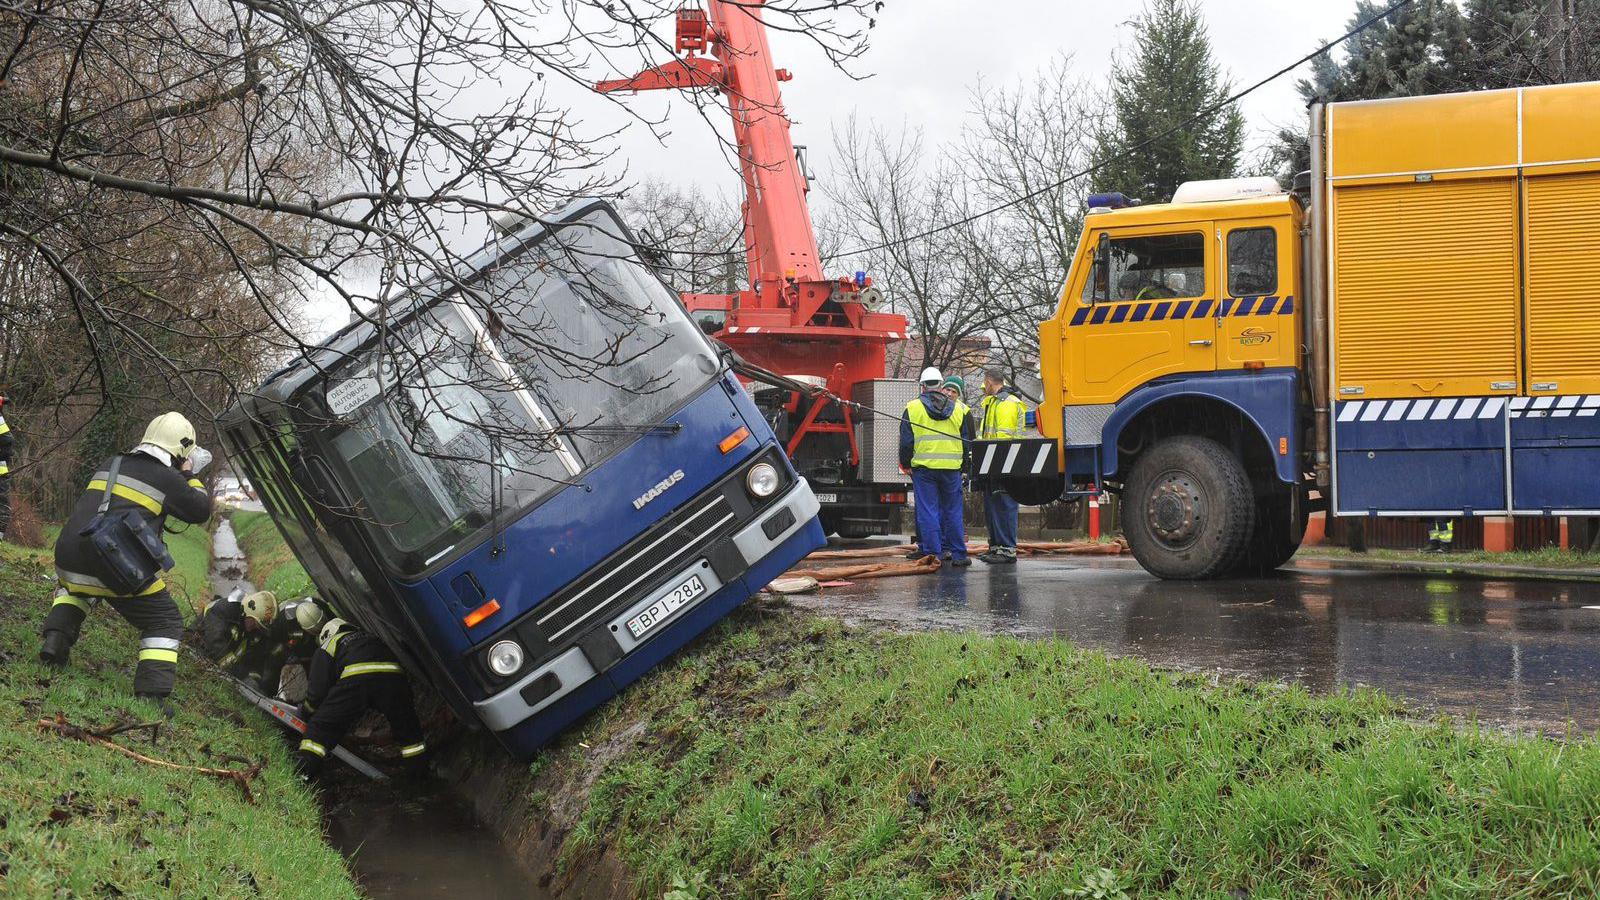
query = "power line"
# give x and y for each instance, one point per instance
(1202, 114)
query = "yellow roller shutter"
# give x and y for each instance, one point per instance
(1563, 260)
(1425, 288)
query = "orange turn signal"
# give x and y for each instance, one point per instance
(733, 440)
(1255, 365)
(1283, 446)
(481, 613)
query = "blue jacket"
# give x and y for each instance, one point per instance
(939, 406)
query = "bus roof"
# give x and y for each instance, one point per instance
(281, 386)
(1176, 213)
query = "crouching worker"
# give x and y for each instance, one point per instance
(351, 672)
(241, 637)
(112, 549)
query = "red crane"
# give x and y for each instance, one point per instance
(791, 319)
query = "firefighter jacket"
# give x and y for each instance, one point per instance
(149, 487)
(1003, 416)
(6, 443)
(348, 654)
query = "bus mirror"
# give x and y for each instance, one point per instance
(1102, 269)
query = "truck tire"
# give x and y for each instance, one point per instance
(1188, 509)
(1275, 537)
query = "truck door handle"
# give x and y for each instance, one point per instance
(1203, 342)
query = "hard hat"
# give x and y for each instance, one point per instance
(333, 627)
(1176, 281)
(261, 606)
(172, 433)
(931, 376)
(308, 614)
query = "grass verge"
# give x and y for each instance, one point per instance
(79, 820)
(1546, 558)
(788, 756)
(273, 566)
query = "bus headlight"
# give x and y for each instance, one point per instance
(505, 658)
(761, 480)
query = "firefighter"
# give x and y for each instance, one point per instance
(1441, 536)
(237, 635)
(155, 480)
(933, 437)
(1003, 416)
(351, 672)
(6, 443)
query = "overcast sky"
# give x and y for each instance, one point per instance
(926, 55)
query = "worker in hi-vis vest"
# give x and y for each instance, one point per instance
(933, 442)
(6, 443)
(1004, 415)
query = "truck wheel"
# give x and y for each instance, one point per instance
(1188, 509)
(1276, 536)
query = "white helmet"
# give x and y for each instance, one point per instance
(333, 627)
(931, 377)
(261, 606)
(308, 614)
(172, 433)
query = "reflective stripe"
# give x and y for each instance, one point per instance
(413, 750)
(161, 643)
(369, 669)
(130, 492)
(196, 483)
(1003, 419)
(332, 643)
(936, 443)
(4, 428)
(69, 600)
(310, 746)
(5, 469)
(90, 586)
(170, 656)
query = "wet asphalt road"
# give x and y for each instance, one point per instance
(1516, 653)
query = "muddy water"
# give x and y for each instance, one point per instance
(404, 839)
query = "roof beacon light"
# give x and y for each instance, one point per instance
(1109, 200)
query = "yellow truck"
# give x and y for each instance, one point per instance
(1414, 334)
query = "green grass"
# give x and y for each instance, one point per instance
(1545, 558)
(78, 820)
(788, 756)
(273, 566)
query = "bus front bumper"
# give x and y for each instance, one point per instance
(545, 686)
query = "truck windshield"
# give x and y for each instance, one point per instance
(499, 395)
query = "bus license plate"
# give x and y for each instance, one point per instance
(675, 599)
(827, 498)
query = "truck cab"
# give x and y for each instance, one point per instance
(1172, 374)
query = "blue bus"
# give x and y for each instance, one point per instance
(533, 478)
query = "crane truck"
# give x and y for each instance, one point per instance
(1413, 335)
(793, 319)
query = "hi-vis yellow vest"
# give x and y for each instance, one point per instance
(936, 442)
(1002, 419)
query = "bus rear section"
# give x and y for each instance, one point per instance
(535, 482)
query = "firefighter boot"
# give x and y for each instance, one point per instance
(54, 650)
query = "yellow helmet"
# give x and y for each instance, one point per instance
(172, 433)
(261, 606)
(308, 614)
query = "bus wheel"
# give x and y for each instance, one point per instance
(1280, 526)
(1188, 509)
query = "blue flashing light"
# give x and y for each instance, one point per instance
(1109, 200)
(861, 279)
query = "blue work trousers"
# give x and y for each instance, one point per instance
(1000, 511)
(939, 526)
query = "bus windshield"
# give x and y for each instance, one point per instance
(502, 393)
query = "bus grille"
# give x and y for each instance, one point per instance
(638, 567)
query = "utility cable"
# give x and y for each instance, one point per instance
(1202, 114)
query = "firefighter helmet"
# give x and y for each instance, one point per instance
(172, 433)
(333, 627)
(308, 614)
(261, 606)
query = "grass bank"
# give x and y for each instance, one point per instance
(79, 820)
(1546, 558)
(788, 756)
(273, 566)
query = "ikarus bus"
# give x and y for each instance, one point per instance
(533, 479)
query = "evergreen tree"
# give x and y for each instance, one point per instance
(1163, 80)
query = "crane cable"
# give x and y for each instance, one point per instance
(1202, 114)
